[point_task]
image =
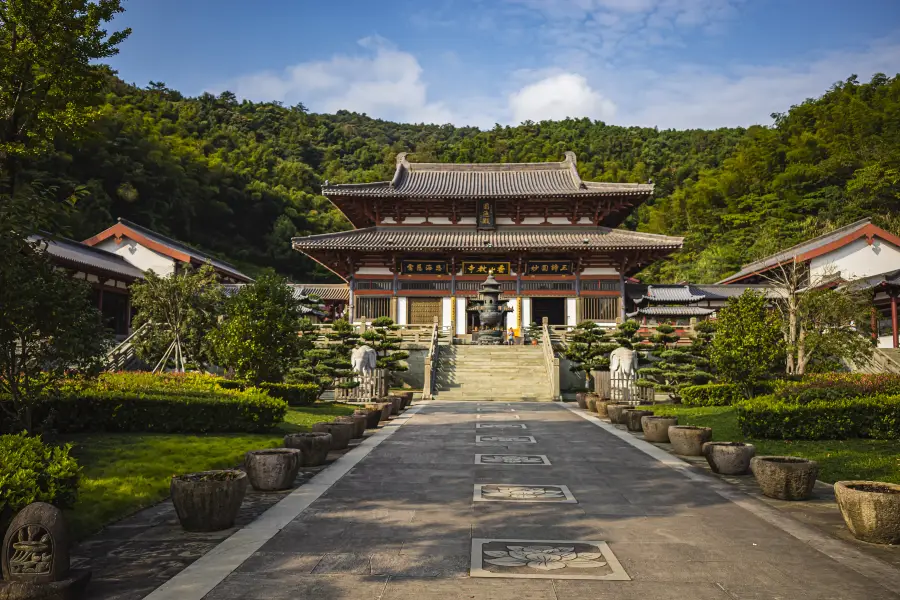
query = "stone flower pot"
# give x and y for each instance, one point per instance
(373, 416)
(633, 418)
(341, 433)
(615, 410)
(209, 500)
(364, 413)
(405, 398)
(656, 429)
(395, 401)
(729, 458)
(785, 477)
(275, 469)
(688, 440)
(871, 510)
(358, 422)
(591, 401)
(386, 410)
(580, 399)
(314, 446)
(602, 408)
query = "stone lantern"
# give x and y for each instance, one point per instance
(491, 312)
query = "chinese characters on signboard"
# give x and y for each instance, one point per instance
(483, 268)
(424, 267)
(548, 267)
(485, 214)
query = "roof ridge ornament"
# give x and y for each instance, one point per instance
(401, 165)
(572, 160)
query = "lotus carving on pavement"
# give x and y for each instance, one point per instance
(544, 558)
(523, 493)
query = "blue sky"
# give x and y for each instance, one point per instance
(666, 63)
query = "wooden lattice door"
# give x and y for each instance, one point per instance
(422, 311)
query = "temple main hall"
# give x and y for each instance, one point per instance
(425, 240)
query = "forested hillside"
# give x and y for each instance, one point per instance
(240, 178)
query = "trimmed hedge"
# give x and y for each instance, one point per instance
(769, 417)
(169, 403)
(834, 386)
(31, 471)
(711, 394)
(295, 394)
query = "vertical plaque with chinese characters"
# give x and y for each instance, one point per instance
(485, 214)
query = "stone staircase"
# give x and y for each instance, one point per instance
(503, 373)
(883, 360)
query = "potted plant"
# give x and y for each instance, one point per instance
(785, 477)
(580, 399)
(656, 429)
(314, 447)
(688, 440)
(871, 510)
(729, 458)
(274, 469)
(208, 500)
(341, 433)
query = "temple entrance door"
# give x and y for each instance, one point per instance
(422, 311)
(552, 308)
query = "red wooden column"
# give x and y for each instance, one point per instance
(894, 324)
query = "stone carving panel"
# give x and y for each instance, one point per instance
(501, 492)
(512, 459)
(545, 559)
(505, 439)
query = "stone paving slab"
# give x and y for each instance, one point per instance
(400, 525)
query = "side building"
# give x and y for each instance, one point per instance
(426, 239)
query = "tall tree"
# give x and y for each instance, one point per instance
(48, 326)
(49, 79)
(587, 348)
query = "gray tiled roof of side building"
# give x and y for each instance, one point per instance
(76, 253)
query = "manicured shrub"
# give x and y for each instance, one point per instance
(833, 386)
(770, 417)
(295, 394)
(711, 394)
(31, 471)
(170, 403)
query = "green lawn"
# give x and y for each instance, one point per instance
(877, 460)
(124, 472)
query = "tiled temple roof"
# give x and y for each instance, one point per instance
(487, 180)
(513, 238)
(672, 311)
(325, 291)
(675, 294)
(77, 255)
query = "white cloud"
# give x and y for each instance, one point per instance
(385, 82)
(557, 97)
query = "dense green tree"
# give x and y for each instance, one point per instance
(259, 335)
(322, 364)
(748, 345)
(674, 366)
(49, 78)
(48, 326)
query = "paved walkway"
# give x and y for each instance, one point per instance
(402, 523)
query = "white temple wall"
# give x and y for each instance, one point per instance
(140, 256)
(857, 260)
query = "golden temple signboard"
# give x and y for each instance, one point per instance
(485, 214)
(548, 267)
(424, 267)
(483, 268)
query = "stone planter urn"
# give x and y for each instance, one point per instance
(405, 398)
(386, 410)
(688, 440)
(602, 408)
(373, 416)
(633, 418)
(275, 469)
(591, 401)
(364, 413)
(314, 447)
(656, 429)
(729, 458)
(358, 422)
(785, 477)
(615, 410)
(341, 433)
(208, 500)
(580, 399)
(395, 401)
(871, 510)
